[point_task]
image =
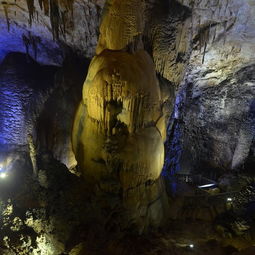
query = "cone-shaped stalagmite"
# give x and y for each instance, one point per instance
(116, 137)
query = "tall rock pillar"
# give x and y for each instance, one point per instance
(118, 133)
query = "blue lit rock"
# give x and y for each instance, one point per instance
(23, 84)
(217, 110)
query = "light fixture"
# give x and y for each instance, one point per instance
(3, 175)
(191, 246)
(229, 199)
(206, 185)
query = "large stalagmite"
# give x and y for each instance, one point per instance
(119, 127)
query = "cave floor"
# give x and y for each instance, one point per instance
(53, 214)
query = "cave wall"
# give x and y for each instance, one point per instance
(40, 101)
(218, 122)
(215, 117)
(53, 124)
(43, 35)
(23, 85)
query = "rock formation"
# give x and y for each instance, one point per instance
(119, 128)
(215, 105)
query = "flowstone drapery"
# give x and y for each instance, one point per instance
(119, 127)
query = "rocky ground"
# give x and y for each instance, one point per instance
(55, 214)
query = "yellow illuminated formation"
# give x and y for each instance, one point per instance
(118, 133)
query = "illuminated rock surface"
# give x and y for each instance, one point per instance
(23, 84)
(222, 135)
(116, 139)
(216, 115)
(76, 24)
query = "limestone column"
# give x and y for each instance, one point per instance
(118, 135)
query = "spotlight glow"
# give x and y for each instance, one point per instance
(3, 175)
(206, 185)
(191, 246)
(229, 199)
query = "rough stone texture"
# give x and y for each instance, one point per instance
(218, 126)
(216, 119)
(54, 122)
(23, 85)
(37, 218)
(39, 101)
(79, 25)
(56, 216)
(167, 37)
(34, 29)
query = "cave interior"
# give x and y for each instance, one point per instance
(127, 127)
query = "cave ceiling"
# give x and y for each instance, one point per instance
(43, 23)
(218, 35)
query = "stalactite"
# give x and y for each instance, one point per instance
(178, 43)
(32, 41)
(203, 59)
(206, 37)
(40, 3)
(44, 4)
(37, 16)
(226, 8)
(58, 18)
(200, 39)
(63, 16)
(5, 6)
(225, 31)
(214, 35)
(33, 154)
(46, 7)
(68, 5)
(31, 8)
(54, 18)
(26, 43)
(192, 19)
